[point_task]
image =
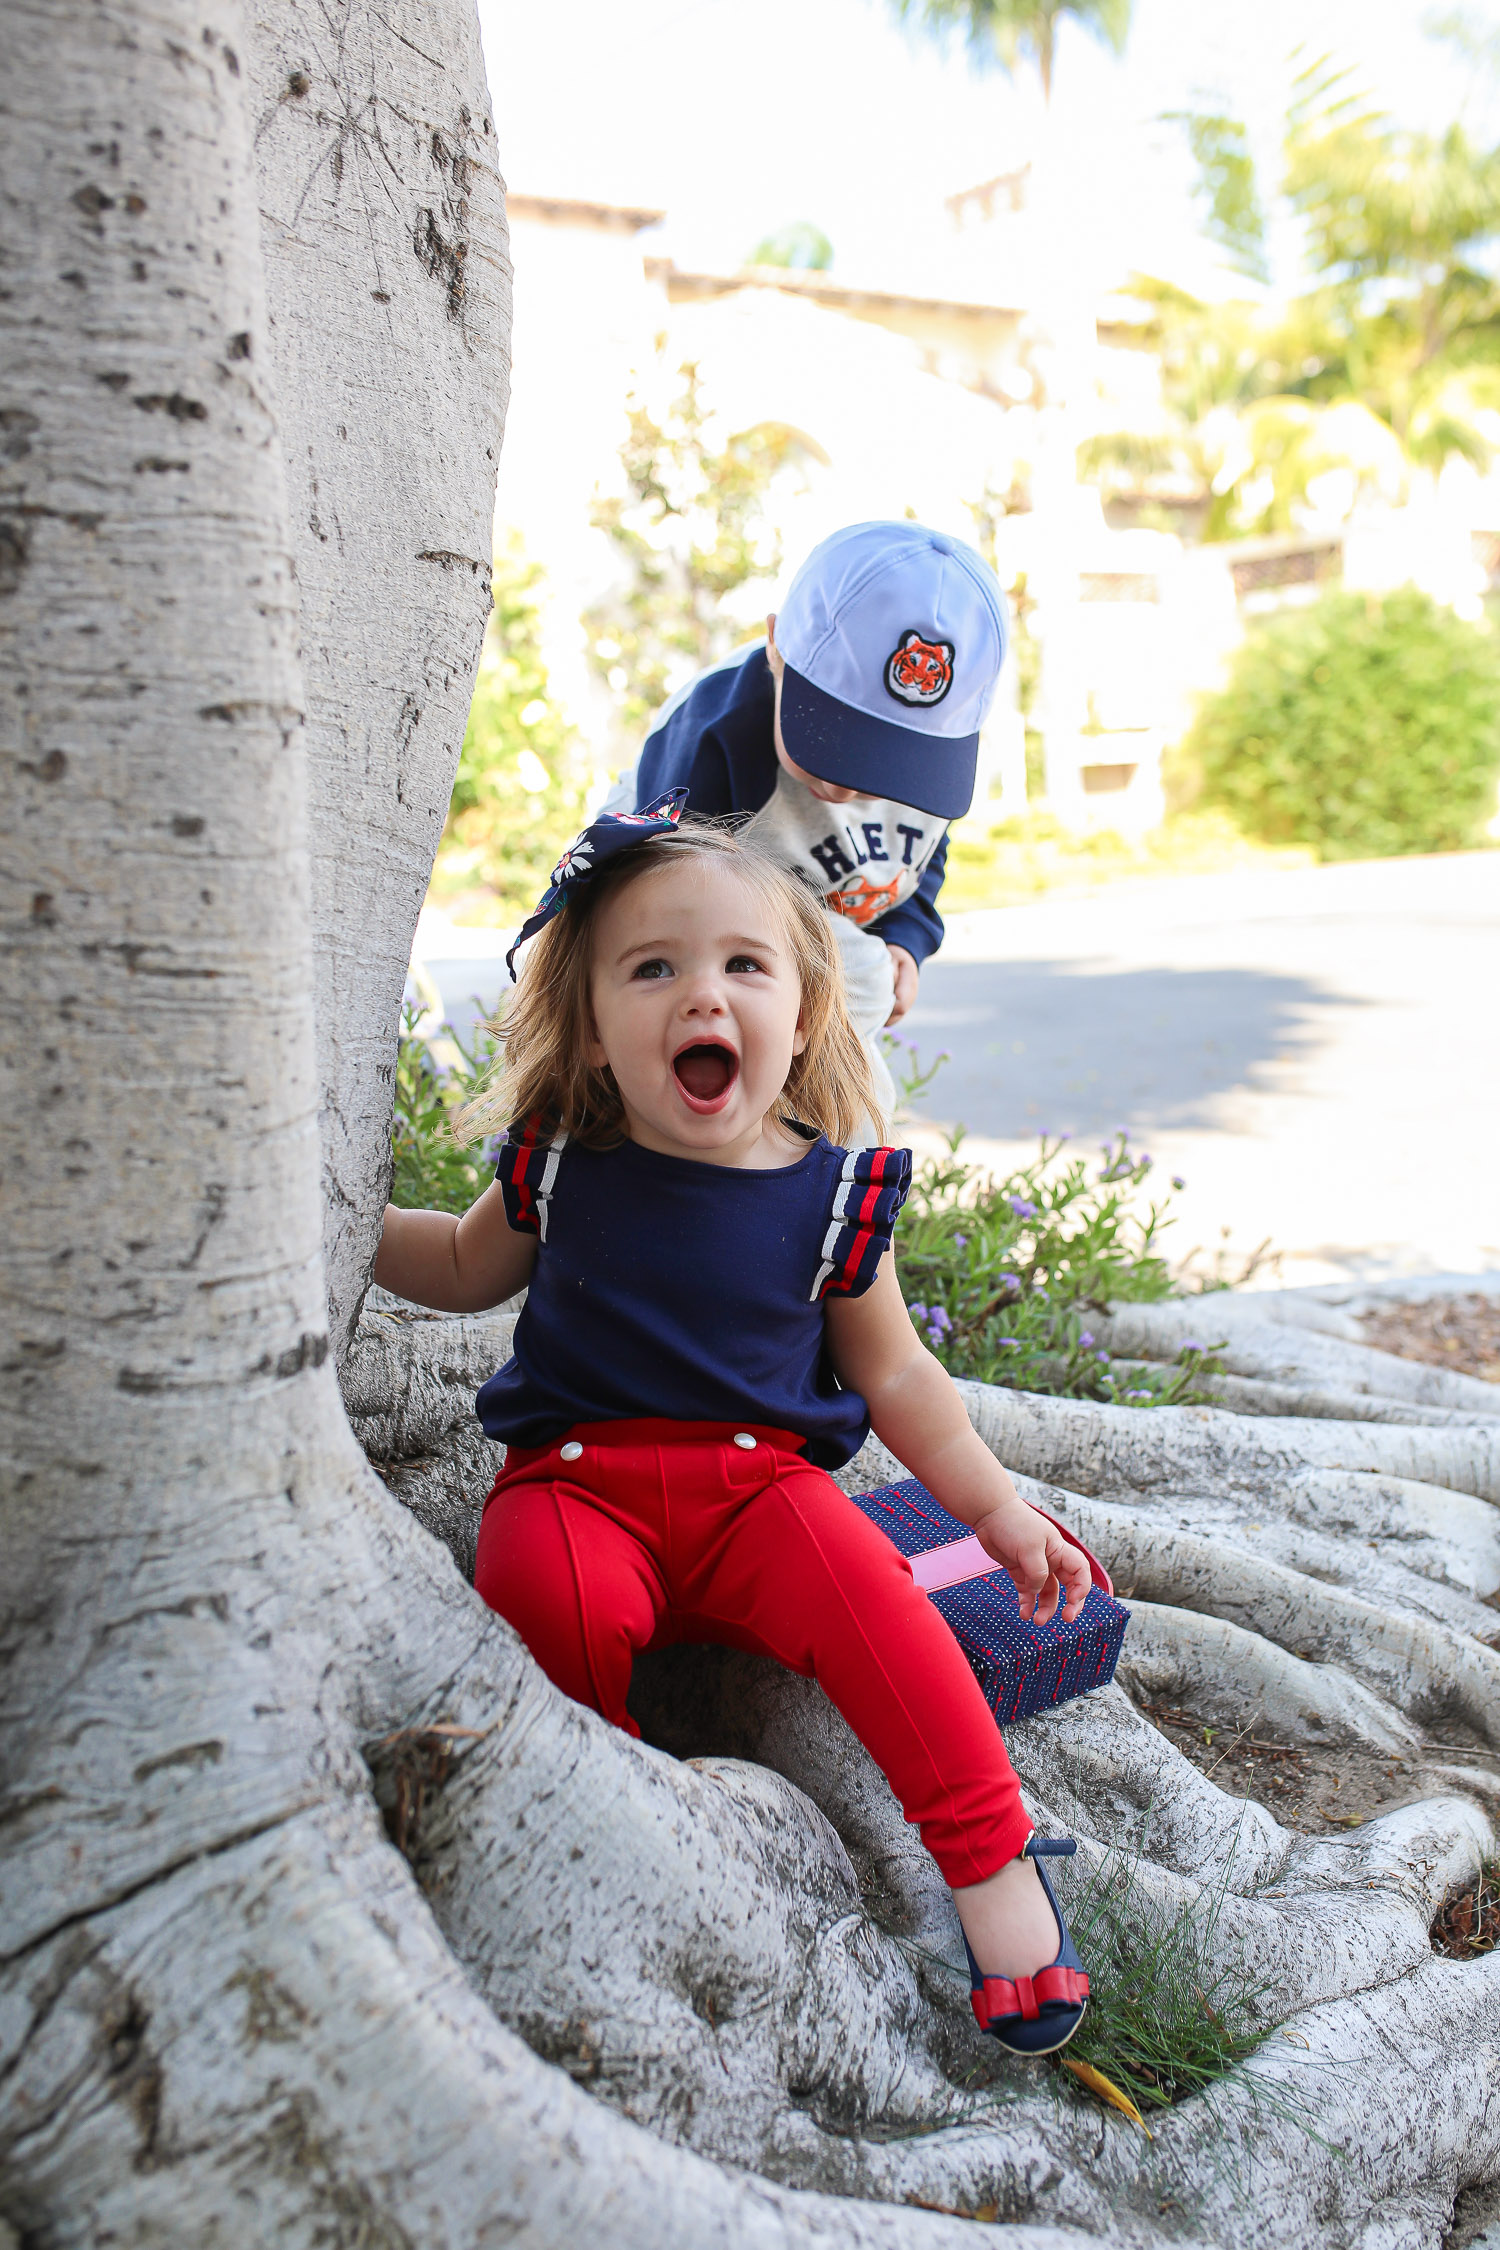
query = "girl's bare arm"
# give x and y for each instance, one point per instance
(916, 1411)
(455, 1265)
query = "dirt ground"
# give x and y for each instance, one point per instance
(1476, 2218)
(1458, 1332)
(1316, 1791)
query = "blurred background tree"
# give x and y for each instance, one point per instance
(1009, 32)
(518, 794)
(1399, 228)
(801, 247)
(1382, 368)
(689, 530)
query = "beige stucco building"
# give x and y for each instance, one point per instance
(922, 393)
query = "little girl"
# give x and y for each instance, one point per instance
(713, 1322)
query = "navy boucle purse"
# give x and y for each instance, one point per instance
(1022, 1668)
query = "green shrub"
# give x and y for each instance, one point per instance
(430, 1172)
(1365, 726)
(1002, 1277)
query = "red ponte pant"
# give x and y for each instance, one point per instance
(653, 1532)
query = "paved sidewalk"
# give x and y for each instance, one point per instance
(1316, 1050)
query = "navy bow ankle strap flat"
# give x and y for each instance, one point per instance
(1038, 2014)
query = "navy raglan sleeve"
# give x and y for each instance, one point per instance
(916, 922)
(678, 753)
(717, 740)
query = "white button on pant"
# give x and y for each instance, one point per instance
(744, 1441)
(572, 1451)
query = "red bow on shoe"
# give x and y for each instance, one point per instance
(1025, 1996)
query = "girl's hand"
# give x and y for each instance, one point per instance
(1039, 1560)
(917, 1413)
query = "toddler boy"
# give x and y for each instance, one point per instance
(851, 737)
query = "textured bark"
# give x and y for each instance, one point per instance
(701, 1989)
(388, 288)
(210, 1603)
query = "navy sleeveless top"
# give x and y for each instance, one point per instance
(693, 1292)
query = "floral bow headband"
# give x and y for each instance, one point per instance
(600, 841)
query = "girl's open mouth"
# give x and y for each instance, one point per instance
(706, 1073)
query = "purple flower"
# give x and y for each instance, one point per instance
(960, 1242)
(1137, 1394)
(1178, 1181)
(1190, 1344)
(1021, 1207)
(1039, 1292)
(1103, 1358)
(918, 1312)
(1086, 1339)
(938, 1321)
(1008, 1343)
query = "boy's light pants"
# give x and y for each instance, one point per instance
(870, 987)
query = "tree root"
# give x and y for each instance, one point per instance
(1296, 1344)
(1093, 1448)
(193, 2067)
(409, 1379)
(1173, 1656)
(1244, 1395)
(711, 2024)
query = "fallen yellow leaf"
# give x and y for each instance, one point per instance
(1107, 2091)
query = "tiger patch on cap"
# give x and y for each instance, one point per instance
(919, 671)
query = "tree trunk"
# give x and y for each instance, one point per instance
(597, 1989)
(388, 290)
(211, 1604)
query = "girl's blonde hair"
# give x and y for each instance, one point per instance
(546, 1029)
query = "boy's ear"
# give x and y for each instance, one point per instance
(799, 1036)
(592, 1047)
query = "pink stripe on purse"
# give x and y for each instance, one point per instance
(962, 1559)
(951, 1565)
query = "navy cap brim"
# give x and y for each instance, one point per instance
(933, 772)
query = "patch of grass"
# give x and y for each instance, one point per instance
(1165, 2019)
(1174, 2009)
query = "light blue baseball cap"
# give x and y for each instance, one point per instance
(893, 637)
